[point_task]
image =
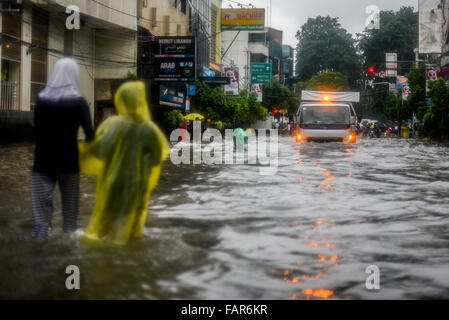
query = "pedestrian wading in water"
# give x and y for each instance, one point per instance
(126, 156)
(60, 111)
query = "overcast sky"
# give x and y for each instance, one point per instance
(289, 15)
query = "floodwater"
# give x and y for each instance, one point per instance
(227, 232)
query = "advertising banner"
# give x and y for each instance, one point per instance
(243, 19)
(258, 89)
(430, 26)
(432, 74)
(173, 95)
(174, 59)
(405, 92)
(401, 81)
(233, 87)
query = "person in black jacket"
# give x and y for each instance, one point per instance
(60, 111)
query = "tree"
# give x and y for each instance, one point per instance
(396, 108)
(252, 110)
(436, 115)
(328, 81)
(398, 33)
(278, 96)
(215, 105)
(417, 99)
(172, 119)
(323, 45)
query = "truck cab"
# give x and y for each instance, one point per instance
(327, 116)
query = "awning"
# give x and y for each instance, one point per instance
(215, 67)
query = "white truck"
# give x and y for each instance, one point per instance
(327, 116)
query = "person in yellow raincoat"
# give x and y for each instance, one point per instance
(126, 156)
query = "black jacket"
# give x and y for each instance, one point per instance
(56, 127)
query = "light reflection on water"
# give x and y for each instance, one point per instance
(226, 232)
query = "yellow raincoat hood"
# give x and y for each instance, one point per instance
(126, 156)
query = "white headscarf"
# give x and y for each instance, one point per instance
(63, 82)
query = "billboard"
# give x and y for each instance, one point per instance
(430, 26)
(432, 74)
(173, 95)
(258, 89)
(243, 19)
(405, 92)
(174, 59)
(233, 87)
(260, 73)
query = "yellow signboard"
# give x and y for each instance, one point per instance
(243, 19)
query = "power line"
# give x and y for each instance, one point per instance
(111, 62)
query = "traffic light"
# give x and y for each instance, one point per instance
(276, 111)
(371, 70)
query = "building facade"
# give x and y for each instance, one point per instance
(165, 17)
(274, 41)
(36, 36)
(241, 48)
(215, 36)
(287, 66)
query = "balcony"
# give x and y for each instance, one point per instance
(8, 97)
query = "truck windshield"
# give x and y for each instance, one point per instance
(328, 114)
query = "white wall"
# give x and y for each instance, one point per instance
(124, 15)
(84, 45)
(115, 46)
(240, 51)
(25, 66)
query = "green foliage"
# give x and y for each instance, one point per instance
(299, 86)
(131, 76)
(225, 110)
(436, 116)
(323, 45)
(374, 101)
(276, 95)
(251, 109)
(173, 118)
(396, 108)
(398, 33)
(417, 82)
(328, 81)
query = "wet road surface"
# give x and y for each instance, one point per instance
(226, 232)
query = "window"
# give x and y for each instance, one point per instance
(258, 58)
(12, 29)
(213, 31)
(153, 17)
(182, 6)
(257, 37)
(173, 3)
(166, 26)
(39, 55)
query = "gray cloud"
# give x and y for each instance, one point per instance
(290, 15)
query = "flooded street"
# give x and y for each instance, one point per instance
(227, 232)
